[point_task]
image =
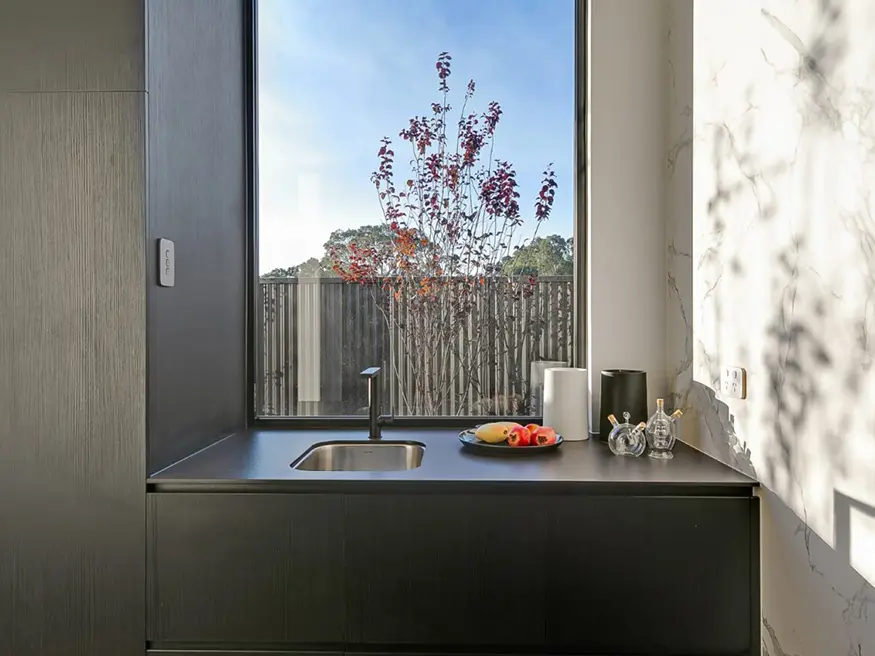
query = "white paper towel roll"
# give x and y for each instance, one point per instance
(538, 367)
(565, 402)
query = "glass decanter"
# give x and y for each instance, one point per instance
(662, 432)
(626, 440)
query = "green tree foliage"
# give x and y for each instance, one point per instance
(368, 236)
(314, 268)
(282, 272)
(544, 256)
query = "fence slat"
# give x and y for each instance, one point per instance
(483, 367)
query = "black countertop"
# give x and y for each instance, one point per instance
(260, 460)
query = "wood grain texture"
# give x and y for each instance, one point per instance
(446, 570)
(237, 652)
(197, 339)
(246, 569)
(650, 575)
(66, 45)
(72, 389)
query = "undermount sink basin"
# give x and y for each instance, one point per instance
(361, 456)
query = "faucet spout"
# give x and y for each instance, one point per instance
(375, 419)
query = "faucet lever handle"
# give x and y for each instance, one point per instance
(371, 372)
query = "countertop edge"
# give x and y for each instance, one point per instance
(589, 488)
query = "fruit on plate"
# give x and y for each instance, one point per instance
(494, 432)
(544, 436)
(533, 428)
(519, 436)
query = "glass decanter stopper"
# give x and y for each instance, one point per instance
(661, 432)
(626, 440)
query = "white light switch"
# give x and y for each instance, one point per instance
(166, 263)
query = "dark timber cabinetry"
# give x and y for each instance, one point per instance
(439, 570)
(450, 572)
(654, 575)
(237, 568)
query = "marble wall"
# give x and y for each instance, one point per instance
(770, 263)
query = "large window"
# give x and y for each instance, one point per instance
(416, 204)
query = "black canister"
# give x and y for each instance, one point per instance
(623, 390)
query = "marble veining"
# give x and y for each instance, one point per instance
(770, 265)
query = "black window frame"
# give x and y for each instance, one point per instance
(582, 13)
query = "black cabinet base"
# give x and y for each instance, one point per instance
(413, 575)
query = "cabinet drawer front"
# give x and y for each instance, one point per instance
(246, 568)
(446, 570)
(653, 575)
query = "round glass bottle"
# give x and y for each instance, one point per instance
(625, 439)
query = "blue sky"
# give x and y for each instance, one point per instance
(335, 76)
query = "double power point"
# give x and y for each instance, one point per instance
(733, 382)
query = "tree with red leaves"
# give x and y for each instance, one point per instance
(453, 221)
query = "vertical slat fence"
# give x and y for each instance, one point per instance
(482, 368)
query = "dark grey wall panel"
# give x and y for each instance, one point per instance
(72, 374)
(197, 341)
(72, 45)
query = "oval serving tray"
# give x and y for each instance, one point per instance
(470, 442)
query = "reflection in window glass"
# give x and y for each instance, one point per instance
(416, 165)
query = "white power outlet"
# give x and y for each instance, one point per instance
(733, 382)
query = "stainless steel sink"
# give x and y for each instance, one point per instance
(372, 455)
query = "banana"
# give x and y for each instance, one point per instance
(494, 432)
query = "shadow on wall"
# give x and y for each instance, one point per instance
(813, 383)
(798, 357)
(717, 426)
(803, 576)
(854, 532)
(806, 579)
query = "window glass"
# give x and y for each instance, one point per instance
(416, 203)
